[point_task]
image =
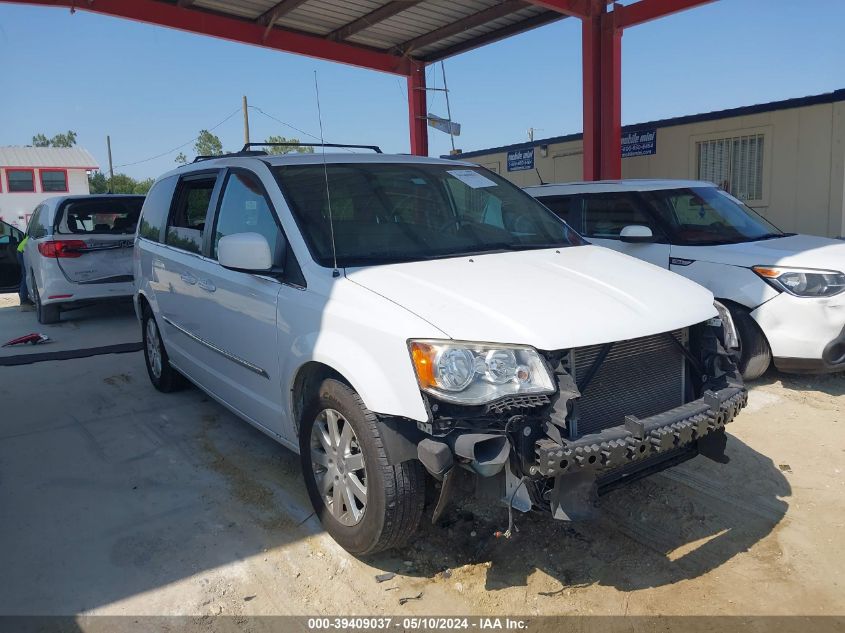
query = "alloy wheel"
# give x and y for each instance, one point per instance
(338, 464)
(153, 343)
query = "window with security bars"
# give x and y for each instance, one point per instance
(735, 164)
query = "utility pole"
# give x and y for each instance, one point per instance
(111, 167)
(246, 122)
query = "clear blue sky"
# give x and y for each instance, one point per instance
(152, 88)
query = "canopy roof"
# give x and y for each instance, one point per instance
(427, 30)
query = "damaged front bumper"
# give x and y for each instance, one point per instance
(566, 476)
(637, 439)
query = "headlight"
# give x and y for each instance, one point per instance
(803, 282)
(475, 373)
(727, 323)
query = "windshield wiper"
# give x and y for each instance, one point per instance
(773, 236)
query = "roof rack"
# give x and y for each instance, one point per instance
(203, 157)
(375, 148)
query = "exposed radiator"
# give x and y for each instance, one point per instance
(640, 377)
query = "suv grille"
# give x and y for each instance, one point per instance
(641, 377)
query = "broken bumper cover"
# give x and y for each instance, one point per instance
(637, 440)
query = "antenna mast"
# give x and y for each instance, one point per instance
(335, 272)
(448, 106)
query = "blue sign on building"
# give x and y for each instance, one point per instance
(520, 159)
(639, 143)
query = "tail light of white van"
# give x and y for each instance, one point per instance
(61, 248)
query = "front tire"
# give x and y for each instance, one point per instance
(366, 504)
(162, 375)
(48, 314)
(755, 355)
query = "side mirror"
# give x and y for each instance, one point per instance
(245, 252)
(636, 234)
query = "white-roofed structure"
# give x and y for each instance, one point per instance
(29, 175)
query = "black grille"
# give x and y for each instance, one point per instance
(641, 377)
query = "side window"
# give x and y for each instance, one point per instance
(606, 214)
(567, 208)
(245, 209)
(156, 207)
(9, 235)
(36, 228)
(186, 225)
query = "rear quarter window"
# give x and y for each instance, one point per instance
(156, 209)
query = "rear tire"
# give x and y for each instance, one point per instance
(366, 504)
(48, 314)
(755, 355)
(162, 375)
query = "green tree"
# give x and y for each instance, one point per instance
(64, 140)
(59, 140)
(121, 183)
(98, 183)
(143, 186)
(208, 144)
(181, 158)
(304, 149)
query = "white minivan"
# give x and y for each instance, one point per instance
(79, 251)
(784, 291)
(397, 320)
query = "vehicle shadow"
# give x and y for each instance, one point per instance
(675, 525)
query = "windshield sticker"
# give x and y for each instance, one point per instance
(418, 181)
(471, 178)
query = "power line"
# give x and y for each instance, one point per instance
(293, 127)
(193, 140)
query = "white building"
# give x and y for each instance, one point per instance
(29, 175)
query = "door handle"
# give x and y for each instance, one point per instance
(188, 278)
(207, 285)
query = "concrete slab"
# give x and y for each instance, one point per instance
(104, 328)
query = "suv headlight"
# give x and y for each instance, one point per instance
(803, 282)
(476, 373)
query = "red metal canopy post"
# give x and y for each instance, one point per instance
(601, 40)
(417, 110)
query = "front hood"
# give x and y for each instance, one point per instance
(800, 251)
(551, 299)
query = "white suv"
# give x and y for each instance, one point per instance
(786, 292)
(392, 316)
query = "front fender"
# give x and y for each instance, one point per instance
(379, 369)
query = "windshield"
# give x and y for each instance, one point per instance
(98, 216)
(707, 215)
(393, 212)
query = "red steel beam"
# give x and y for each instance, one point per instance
(591, 71)
(646, 10)
(610, 163)
(205, 23)
(417, 110)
